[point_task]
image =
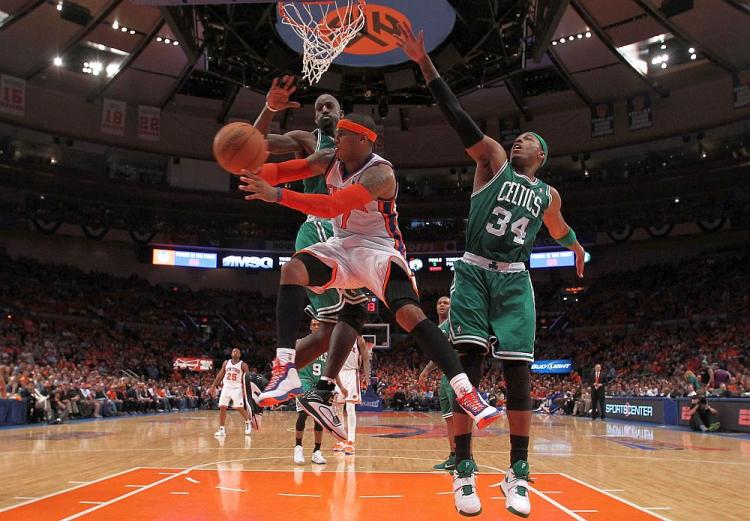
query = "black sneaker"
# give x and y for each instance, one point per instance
(318, 403)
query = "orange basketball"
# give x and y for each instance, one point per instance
(239, 146)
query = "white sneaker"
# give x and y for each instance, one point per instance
(317, 457)
(220, 433)
(284, 384)
(515, 487)
(299, 455)
(248, 428)
(465, 489)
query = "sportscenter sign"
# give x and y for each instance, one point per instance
(552, 366)
(637, 409)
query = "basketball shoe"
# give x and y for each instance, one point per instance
(339, 447)
(318, 403)
(317, 457)
(515, 488)
(299, 455)
(465, 489)
(220, 433)
(349, 448)
(284, 384)
(449, 464)
(475, 406)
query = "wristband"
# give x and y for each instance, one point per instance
(272, 109)
(567, 240)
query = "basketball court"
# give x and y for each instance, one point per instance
(171, 467)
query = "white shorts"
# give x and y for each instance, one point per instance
(350, 380)
(233, 394)
(358, 263)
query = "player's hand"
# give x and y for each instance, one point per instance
(258, 189)
(580, 261)
(279, 93)
(412, 46)
(212, 391)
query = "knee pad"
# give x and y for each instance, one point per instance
(518, 380)
(353, 315)
(471, 361)
(399, 290)
(318, 273)
(301, 419)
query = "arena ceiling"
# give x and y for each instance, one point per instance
(577, 53)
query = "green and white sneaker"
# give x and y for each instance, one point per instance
(449, 464)
(515, 488)
(465, 489)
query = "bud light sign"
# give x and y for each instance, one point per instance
(552, 366)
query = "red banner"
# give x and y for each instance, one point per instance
(12, 95)
(193, 364)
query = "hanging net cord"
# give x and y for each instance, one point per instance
(324, 37)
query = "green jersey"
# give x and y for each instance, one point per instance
(505, 216)
(444, 327)
(317, 184)
(312, 372)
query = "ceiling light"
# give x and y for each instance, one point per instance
(175, 42)
(663, 65)
(112, 69)
(586, 173)
(167, 40)
(59, 6)
(691, 50)
(57, 61)
(562, 40)
(159, 38)
(676, 199)
(53, 160)
(554, 42)
(86, 64)
(115, 25)
(588, 34)
(693, 56)
(101, 47)
(579, 36)
(132, 31)
(571, 38)
(663, 46)
(124, 29)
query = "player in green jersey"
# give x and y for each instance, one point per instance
(324, 307)
(492, 294)
(446, 394)
(309, 377)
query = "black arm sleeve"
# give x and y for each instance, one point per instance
(456, 117)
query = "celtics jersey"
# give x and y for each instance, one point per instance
(445, 327)
(317, 184)
(505, 216)
(314, 371)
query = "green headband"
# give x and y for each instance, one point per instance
(544, 146)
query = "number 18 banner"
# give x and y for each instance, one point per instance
(113, 117)
(149, 123)
(12, 95)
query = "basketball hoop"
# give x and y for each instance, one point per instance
(325, 28)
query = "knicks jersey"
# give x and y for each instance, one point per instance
(377, 221)
(233, 375)
(352, 361)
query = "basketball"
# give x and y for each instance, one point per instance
(239, 146)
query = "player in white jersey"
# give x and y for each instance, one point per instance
(355, 371)
(232, 377)
(366, 251)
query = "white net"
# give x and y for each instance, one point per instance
(325, 28)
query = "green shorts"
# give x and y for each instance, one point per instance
(487, 306)
(323, 307)
(447, 395)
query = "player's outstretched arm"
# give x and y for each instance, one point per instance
(562, 232)
(488, 153)
(219, 376)
(277, 100)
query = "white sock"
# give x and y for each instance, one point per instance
(351, 422)
(285, 355)
(461, 384)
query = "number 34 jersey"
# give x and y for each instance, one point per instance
(505, 216)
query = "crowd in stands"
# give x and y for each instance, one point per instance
(78, 344)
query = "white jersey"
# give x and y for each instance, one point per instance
(377, 221)
(352, 361)
(233, 375)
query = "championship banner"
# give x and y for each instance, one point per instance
(12, 95)
(639, 112)
(149, 123)
(552, 366)
(741, 88)
(193, 364)
(603, 120)
(510, 129)
(113, 117)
